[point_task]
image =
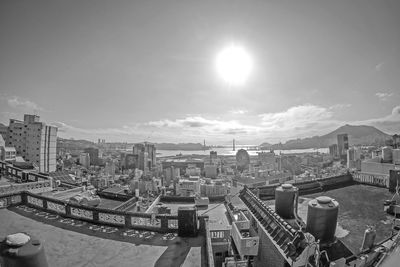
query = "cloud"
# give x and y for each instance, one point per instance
(378, 67)
(383, 96)
(204, 125)
(295, 122)
(296, 117)
(239, 111)
(389, 123)
(16, 102)
(339, 106)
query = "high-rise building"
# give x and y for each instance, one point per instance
(84, 159)
(146, 155)
(213, 157)
(267, 160)
(333, 150)
(94, 155)
(3, 131)
(353, 158)
(343, 144)
(34, 141)
(396, 141)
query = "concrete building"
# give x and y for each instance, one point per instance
(93, 154)
(333, 150)
(213, 157)
(84, 160)
(396, 141)
(3, 131)
(7, 153)
(34, 141)
(353, 158)
(170, 174)
(343, 144)
(182, 164)
(214, 189)
(267, 160)
(188, 187)
(192, 170)
(210, 171)
(146, 156)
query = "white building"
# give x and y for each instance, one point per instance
(353, 158)
(84, 160)
(34, 141)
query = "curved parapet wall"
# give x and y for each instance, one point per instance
(310, 187)
(141, 221)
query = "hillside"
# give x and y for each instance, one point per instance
(358, 135)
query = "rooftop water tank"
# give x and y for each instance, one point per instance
(21, 249)
(322, 218)
(387, 154)
(284, 200)
(396, 156)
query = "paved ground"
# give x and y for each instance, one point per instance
(85, 247)
(109, 203)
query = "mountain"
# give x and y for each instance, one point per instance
(73, 145)
(358, 135)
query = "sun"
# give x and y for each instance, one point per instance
(234, 64)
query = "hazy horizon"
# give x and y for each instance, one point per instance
(128, 71)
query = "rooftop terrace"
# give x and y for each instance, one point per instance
(359, 206)
(75, 243)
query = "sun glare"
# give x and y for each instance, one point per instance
(234, 65)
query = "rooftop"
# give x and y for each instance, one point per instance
(101, 248)
(359, 206)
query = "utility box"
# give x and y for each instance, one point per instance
(187, 221)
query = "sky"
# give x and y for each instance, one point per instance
(132, 71)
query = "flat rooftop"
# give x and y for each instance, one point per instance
(359, 206)
(71, 245)
(217, 213)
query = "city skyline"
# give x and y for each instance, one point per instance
(141, 71)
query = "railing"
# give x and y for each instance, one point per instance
(127, 204)
(141, 221)
(209, 251)
(309, 187)
(24, 175)
(37, 187)
(379, 180)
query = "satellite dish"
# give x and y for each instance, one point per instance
(242, 160)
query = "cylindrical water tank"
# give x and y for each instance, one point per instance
(22, 250)
(322, 218)
(285, 200)
(387, 154)
(369, 238)
(396, 156)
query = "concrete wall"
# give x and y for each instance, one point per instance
(376, 167)
(268, 254)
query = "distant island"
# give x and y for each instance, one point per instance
(358, 135)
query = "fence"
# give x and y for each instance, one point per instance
(142, 221)
(379, 180)
(36, 187)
